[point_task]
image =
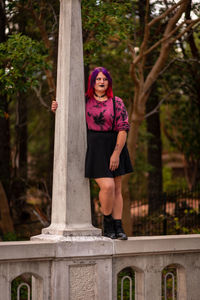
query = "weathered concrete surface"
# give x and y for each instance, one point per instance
(71, 212)
(93, 263)
(68, 247)
(148, 273)
(155, 244)
(76, 268)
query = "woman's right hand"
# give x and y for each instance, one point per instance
(54, 105)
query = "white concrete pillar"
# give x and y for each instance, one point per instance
(71, 212)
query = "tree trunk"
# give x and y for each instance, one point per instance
(6, 224)
(128, 223)
(154, 154)
(19, 180)
(4, 120)
(22, 137)
(5, 148)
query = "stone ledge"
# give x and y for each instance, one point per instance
(157, 245)
(26, 250)
(58, 247)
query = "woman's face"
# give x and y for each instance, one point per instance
(101, 83)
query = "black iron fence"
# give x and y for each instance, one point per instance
(168, 213)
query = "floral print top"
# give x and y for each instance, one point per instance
(100, 115)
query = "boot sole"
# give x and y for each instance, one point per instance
(122, 239)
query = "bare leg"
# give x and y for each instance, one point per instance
(106, 198)
(117, 209)
(106, 194)
(118, 200)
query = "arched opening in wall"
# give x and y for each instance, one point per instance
(27, 286)
(126, 284)
(169, 283)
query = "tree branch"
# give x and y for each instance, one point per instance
(173, 20)
(168, 31)
(39, 96)
(164, 38)
(167, 12)
(134, 75)
(153, 74)
(155, 110)
(132, 50)
(192, 23)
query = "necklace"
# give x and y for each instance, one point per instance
(100, 96)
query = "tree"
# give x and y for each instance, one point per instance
(154, 142)
(21, 61)
(182, 117)
(143, 85)
(181, 120)
(4, 120)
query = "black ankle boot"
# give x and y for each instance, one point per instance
(108, 226)
(119, 232)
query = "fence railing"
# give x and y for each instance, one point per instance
(163, 214)
(168, 213)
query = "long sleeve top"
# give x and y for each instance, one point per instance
(100, 115)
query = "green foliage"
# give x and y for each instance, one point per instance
(1, 112)
(10, 236)
(170, 183)
(189, 213)
(184, 126)
(181, 111)
(13, 236)
(104, 22)
(169, 283)
(95, 28)
(138, 182)
(94, 189)
(21, 64)
(126, 284)
(40, 133)
(23, 291)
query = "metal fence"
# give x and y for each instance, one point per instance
(167, 213)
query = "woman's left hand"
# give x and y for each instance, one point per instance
(114, 161)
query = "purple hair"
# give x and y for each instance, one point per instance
(92, 81)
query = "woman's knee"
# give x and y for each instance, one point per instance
(107, 185)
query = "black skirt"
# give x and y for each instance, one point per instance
(100, 146)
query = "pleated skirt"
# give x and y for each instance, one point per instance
(100, 146)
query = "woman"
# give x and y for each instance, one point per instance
(107, 157)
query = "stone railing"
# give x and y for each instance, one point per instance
(86, 268)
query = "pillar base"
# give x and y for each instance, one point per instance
(66, 231)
